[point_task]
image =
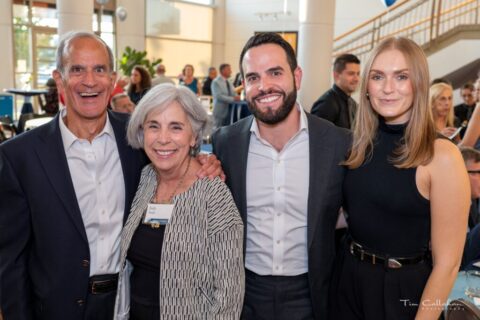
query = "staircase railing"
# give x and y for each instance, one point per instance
(423, 21)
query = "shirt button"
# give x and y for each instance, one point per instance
(278, 188)
(279, 214)
(276, 268)
(80, 302)
(103, 211)
(85, 263)
(101, 238)
(278, 241)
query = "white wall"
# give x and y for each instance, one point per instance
(242, 21)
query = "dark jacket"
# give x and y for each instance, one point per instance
(328, 147)
(44, 250)
(333, 106)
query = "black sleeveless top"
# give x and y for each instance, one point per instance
(386, 212)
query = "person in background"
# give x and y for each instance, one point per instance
(188, 80)
(336, 105)
(160, 76)
(189, 265)
(282, 166)
(121, 103)
(140, 83)
(120, 85)
(406, 191)
(472, 134)
(465, 110)
(223, 95)
(441, 103)
(207, 84)
(472, 162)
(51, 103)
(472, 247)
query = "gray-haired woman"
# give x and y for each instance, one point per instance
(181, 247)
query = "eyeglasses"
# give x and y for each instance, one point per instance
(473, 171)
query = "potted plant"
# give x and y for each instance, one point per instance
(131, 58)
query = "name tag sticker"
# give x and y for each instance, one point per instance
(158, 213)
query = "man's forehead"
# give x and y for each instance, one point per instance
(269, 54)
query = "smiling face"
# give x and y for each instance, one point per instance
(87, 80)
(442, 104)
(168, 137)
(270, 86)
(390, 88)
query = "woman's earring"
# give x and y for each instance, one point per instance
(367, 95)
(193, 151)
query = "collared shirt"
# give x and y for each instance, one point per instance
(277, 202)
(97, 178)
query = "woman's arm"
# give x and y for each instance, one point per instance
(473, 129)
(449, 200)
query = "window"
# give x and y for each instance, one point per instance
(180, 33)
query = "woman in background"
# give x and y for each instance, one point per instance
(182, 245)
(441, 102)
(406, 194)
(188, 80)
(140, 83)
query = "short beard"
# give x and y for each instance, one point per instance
(273, 117)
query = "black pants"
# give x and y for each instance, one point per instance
(100, 306)
(373, 292)
(276, 298)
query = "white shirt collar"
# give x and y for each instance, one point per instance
(69, 138)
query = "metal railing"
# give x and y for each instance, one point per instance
(423, 21)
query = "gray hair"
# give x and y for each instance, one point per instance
(64, 46)
(158, 98)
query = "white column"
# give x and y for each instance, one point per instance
(218, 39)
(7, 75)
(315, 46)
(131, 31)
(74, 15)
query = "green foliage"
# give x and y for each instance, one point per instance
(132, 57)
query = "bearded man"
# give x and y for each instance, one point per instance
(282, 166)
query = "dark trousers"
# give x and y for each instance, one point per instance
(100, 306)
(362, 290)
(276, 297)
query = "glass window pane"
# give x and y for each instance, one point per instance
(23, 49)
(107, 23)
(179, 20)
(175, 54)
(20, 14)
(45, 17)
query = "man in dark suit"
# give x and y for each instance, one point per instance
(464, 110)
(65, 192)
(283, 168)
(336, 105)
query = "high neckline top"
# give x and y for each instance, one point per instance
(386, 212)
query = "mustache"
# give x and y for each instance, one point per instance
(267, 92)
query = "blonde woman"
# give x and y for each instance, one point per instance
(441, 102)
(406, 192)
